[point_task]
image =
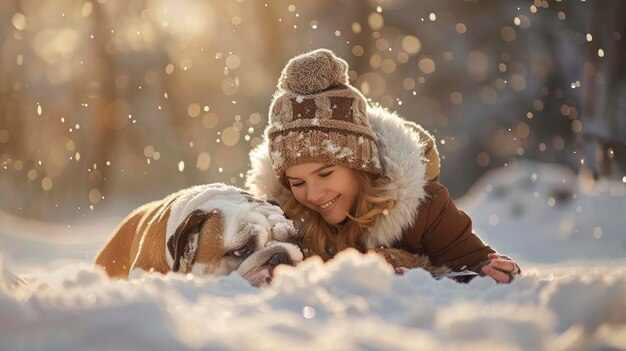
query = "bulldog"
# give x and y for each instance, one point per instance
(211, 229)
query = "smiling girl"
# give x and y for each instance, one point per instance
(354, 175)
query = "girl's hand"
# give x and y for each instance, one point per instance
(501, 268)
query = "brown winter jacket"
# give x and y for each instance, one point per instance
(440, 232)
(443, 233)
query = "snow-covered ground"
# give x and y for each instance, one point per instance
(566, 232)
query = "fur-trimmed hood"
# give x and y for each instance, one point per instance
(402, 155)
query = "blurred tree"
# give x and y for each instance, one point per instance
(106, 111)
(604, 117)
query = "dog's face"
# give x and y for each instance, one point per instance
(218, 231)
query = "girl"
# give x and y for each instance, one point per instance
(353, 175)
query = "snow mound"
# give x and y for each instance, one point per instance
(546, 213)
(353, 302)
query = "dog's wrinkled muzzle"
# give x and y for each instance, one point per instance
(258, 269)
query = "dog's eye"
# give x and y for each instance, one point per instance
(242, 251)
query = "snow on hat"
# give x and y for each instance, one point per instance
(316, 116)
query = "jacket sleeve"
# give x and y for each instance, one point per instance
(430, 150)
(445, 232)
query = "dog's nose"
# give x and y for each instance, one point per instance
(279, 258)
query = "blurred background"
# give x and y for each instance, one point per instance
(107, 104)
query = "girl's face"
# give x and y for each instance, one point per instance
(328, 190)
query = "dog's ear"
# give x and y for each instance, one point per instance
(177, 242)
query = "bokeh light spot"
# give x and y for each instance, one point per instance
(427, 65)
(411, 44)
(375, 21)
(482, 159)
(230, 136)
(508, 33)
(233, 61)
(193, 110)
(19, 21)
(46, 183)
(456, 97)
(95, 196)
(204, 161)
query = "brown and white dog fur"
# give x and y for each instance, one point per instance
(211, 229)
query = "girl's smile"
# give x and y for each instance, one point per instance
(329, 203)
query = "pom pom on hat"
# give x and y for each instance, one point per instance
(313, 72)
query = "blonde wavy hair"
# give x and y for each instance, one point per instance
(324, 239)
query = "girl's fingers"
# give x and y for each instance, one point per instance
(503, 265)
(497, 275)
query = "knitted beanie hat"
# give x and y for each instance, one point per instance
(316, 116)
